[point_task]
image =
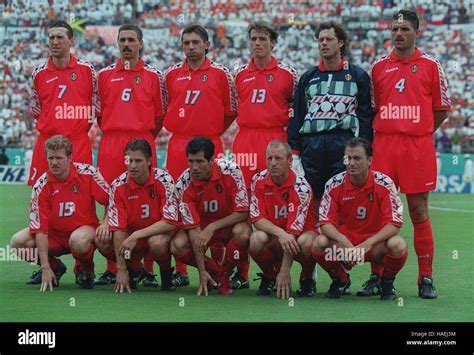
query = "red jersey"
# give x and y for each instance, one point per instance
(131, 99)
(64, 206)
(64, 100)
(199, 99)
(133, 207)
(364, 210)
(405, 92)
(289, 206)
(203, 202)
(265, 94)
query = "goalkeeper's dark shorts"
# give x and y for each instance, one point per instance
(322, 157)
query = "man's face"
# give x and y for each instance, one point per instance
(356, 161)
(129, 45)
(329, 45)
(260, 44)
(278, 161)
(58, 161)
(194, 47)
(404, 35)
(59, 43)
(137, 165)
(199, 167)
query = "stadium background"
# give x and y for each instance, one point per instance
(447, 35)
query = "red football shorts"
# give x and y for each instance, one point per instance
(58, 243)
(409, 160)
(81, 153)
(249, 149)
(176, 158)
(111, 159)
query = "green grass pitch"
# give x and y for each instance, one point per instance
(452, 218)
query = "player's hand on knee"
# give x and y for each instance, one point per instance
(283, 283)
(47, 280)
(289, 244)
(103, 233)
(122, 282)
(297, 166)
(127, 246)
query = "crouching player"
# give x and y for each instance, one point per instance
(213, 204)
(63, 217)
(142, 215)
(284, 216)
(360, 216)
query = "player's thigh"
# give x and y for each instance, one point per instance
(305, 241)
(82, 238)
(384, 155)
(23, 239)
(39, 163)
(312, 147)
(160, 243)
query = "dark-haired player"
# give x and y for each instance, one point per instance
(266, 89)
(142, 214)
(411, 98)
(64, 99)
(202, 102)
(133, 103)
(360, 217)
(214, 206)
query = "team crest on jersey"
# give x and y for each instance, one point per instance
(204, 78)
(270, 78)
(74, 189)
(370, 196)
(73, 76)
(137, 80)
(414, 68)
(285, 195)
(219, 188)
(152, 192)
(348, 77)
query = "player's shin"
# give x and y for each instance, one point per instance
(393, 264)
(424, 248)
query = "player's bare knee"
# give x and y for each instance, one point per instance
(158, 244)
(320, 243)
(258, 241)
(396, 245)
(23, 239)
(241, 233)
(179, 243)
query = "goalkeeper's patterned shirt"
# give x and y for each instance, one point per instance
(326, 100)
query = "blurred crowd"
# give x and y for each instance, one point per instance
(446, 36)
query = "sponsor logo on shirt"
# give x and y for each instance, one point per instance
(52, 79)
(348, 198)
(132, 197)
(184, 78)
(116, 79)
(249, 79)
(268, 193)
(391, 70)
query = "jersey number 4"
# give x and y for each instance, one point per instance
(400, 86)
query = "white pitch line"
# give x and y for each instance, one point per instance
(450, 209)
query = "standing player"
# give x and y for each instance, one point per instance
(266, 89)
(202, 102)
(410, 96)
(214, 208)
(332, 105)
(283, 213)
(142, 214)
(360, 216)
(133, 103)
(63, 217)
(64, 99)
